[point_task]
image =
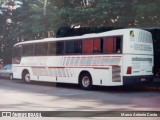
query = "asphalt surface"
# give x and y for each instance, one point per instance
(40, 96)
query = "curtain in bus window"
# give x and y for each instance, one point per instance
(97, 43)
(88, 46)
(110, 45)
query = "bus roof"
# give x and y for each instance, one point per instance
(85, 36)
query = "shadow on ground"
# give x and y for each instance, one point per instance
(146, 86)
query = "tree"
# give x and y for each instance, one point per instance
(22, 20)
(7, 11)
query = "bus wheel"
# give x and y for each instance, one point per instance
(26, 77)
(11, 76)
(85, 81)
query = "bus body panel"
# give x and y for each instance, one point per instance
(140, 65)
(138, 42)
(137, 57)
(62, 68)
(138, 68)
(101, 77)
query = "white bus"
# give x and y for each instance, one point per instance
(113, 58)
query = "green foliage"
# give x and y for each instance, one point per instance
(36, 19)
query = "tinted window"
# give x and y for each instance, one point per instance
(52, 48)
(118, 44)
(74, 46)
(78, 46)
(60, 48)
(16, 55)
(28, 50)
(40, 49)
(69, 46)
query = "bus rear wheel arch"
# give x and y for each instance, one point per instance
(26, 76)
(85, 80)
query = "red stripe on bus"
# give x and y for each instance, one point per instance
(91, 56)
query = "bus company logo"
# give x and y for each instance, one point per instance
(132, 35)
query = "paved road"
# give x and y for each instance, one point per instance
(16, 95)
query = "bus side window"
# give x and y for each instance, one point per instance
(69, 47)
(40, 49)
(73, 47)
(16, 55)
(60, 48)
(28, 50)
(109, 45)
(97, 46)
(112, 45)
(88, 46)
(118, 44)
(78, 46)
(51, 48)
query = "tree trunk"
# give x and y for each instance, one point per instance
(45, 7)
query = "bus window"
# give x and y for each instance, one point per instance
(16, 55)
(88, 46)
(28, 50)
(73, 47)
(40, 49)
(97, 45)
(78, 46)
(118, 44)
(51, 48)
(69, 47)
(109, 45)
(112, 45)
(60, 48)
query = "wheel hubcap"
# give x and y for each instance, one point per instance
(85, 81)
(27, 77)
(11, 77)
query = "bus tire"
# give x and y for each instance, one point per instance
(85, 81)
(26, 76)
